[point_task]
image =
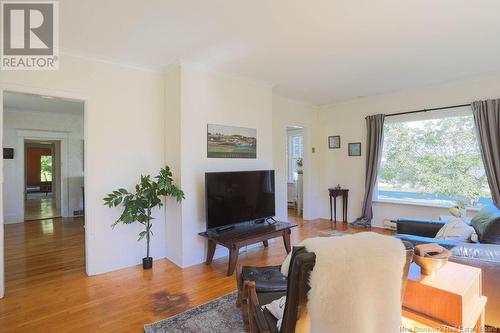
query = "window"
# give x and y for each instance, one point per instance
(46, 168)
(432, 161)
(295, 155)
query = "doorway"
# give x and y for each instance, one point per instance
(42, 197)
(43, 188)
(295, 170)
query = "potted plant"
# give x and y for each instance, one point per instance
(300, 163)
(139, 204)
(459, 209)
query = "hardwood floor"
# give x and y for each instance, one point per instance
(48, 291)
(40, 206)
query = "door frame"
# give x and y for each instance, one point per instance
(281, 166)
(62, 184)
(305, 166)
(88, 226)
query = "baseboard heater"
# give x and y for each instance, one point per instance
(78, 212)
(390, 224)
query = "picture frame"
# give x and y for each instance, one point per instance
(8, 153)
(334, 142)
(354, 149)
(231, 142)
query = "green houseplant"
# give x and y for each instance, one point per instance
(137, 206)
(299, 163)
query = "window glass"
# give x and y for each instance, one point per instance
(45, 168)
(434, 161)
(295, 156)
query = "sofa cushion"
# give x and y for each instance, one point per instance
(456, 229)
(487, 224)
(485, 252)
(424, 228)
(415, 240)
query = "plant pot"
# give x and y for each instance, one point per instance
(147, 263)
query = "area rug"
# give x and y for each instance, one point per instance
(220, 315)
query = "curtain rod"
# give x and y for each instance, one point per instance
(426, 110)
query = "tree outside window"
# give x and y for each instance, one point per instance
(433, 161)
(46, 168)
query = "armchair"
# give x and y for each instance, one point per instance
(266, 280)
(261, 320)
(301, 264)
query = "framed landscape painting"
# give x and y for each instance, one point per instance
(231, 142)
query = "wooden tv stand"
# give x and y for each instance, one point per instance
(245, 234)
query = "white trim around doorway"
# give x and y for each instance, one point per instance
(62, 183)
(88, 224)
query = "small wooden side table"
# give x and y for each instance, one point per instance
(334, 193)
(449, 301)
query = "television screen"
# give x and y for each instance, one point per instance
(233, 197)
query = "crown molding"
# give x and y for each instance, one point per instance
(108, 60)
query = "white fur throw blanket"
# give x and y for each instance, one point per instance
(355, 283)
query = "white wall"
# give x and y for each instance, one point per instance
(124, 124)
(2, 275)
(347, 120)
(288, 112)
(173, 147)
(210, 98)
(72, 125)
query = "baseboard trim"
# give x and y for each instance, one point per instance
(11, 219)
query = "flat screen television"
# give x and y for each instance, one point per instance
(238, 196)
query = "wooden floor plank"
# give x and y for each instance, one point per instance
(48, 291)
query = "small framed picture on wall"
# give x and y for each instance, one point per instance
(334, 142)
(8, 153)
(355, 149)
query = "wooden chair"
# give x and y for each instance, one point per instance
(301, 265)
(267, 280)
(261, 320)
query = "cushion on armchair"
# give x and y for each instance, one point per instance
(487, 224)
(277, 308)
(267, 279)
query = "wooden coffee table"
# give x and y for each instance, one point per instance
(245, 234)
(449, 301)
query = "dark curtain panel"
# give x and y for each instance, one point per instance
(487, 121)
(374, 145)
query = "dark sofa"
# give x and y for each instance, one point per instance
(485, 254)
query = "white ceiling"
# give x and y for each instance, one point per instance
(322, 50)
(27, 102)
